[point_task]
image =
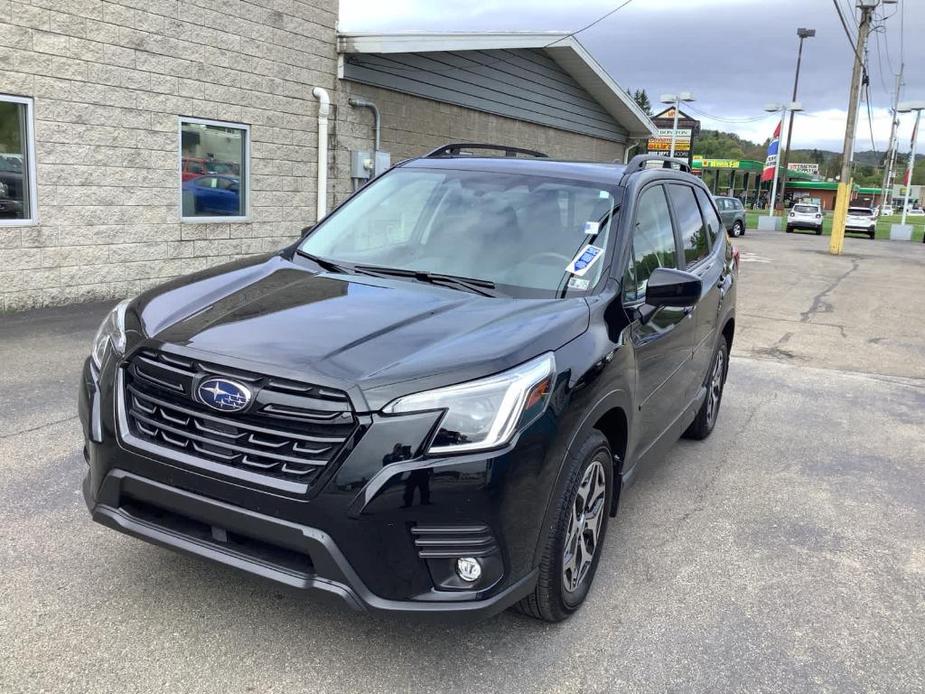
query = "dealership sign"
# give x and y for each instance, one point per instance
(684, 135)
(804, 167)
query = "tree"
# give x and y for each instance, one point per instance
(642, 100)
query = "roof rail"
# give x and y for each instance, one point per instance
(641, 161)
(454, 149)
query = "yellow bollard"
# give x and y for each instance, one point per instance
(837, 240)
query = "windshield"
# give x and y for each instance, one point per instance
(860, 212)
(806, 209)
(520, 232)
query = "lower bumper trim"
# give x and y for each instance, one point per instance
(327, 569)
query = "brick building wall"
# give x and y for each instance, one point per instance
(109, 80)
(412, 125)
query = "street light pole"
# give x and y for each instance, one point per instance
(803, 34)
(674, 127)
(782, 109)
(906, 108)
(675, 99)
(886, 188)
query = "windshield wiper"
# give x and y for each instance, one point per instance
(471, 284)
(328, 265)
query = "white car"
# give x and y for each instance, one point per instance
(861, 220)
(916, 212)
(805, 216)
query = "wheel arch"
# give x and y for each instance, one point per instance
(729, 331)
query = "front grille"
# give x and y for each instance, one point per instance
(449, 541)
(290, 431)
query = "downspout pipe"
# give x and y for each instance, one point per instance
(357, 102)
(324, 110)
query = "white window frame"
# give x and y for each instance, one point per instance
(245, 174)
(33, 213)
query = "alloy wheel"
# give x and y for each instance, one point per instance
(716, 387)
(584, 529)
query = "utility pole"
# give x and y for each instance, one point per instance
(837, 241)
(886, 188)
(803, 34)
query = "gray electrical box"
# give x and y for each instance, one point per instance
(382, 163)
(365, 164)
(361, 163)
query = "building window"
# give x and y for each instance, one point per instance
(214, 170)
(17, 162)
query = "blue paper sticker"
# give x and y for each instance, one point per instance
(586, 257)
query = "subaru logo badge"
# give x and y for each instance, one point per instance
(223, 394)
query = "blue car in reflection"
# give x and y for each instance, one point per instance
(212, 194)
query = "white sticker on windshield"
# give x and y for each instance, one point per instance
(586, 257)
(578, 283)
(603, 195)
(592, 228)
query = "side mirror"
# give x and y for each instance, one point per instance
(668, 287)
(307, 230)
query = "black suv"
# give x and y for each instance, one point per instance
(431, 402)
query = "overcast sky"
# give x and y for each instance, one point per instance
(736, 56)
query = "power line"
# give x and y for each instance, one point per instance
(844, 25)
(588, 26)
(870, 119)
(724, 119)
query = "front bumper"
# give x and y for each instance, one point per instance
(274, 549)
(358, 534)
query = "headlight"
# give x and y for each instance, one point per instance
(111, 332)
(484, 414)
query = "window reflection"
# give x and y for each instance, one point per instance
(212, 169)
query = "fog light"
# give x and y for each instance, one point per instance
(468, 569)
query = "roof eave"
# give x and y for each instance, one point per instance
(561, 47)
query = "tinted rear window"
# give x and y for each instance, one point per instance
(690, 223)
(809, 209)
(860, 211)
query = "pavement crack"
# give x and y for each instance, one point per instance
(819, 303)
(37, 427)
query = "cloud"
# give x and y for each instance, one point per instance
(735, 55)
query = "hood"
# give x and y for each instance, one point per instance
(384, 337)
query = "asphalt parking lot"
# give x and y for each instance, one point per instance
(785, 553)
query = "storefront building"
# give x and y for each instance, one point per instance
(142, 141)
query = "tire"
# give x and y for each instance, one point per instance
(738, 229)
(819, 231)
(565, 573)
(715, 381)
(789, 229)
(871, 235)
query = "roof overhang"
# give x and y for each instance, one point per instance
(564, 49)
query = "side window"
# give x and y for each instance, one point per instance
(17, 167)
(653, 242)
(214, 147)
(693, 232)
(709, 215)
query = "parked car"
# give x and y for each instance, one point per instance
(431, 402)
(11, 186)
(192, 167)
(212, 195)
(732, 212)
(805, 216)
(916, 212)
(861, 220)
